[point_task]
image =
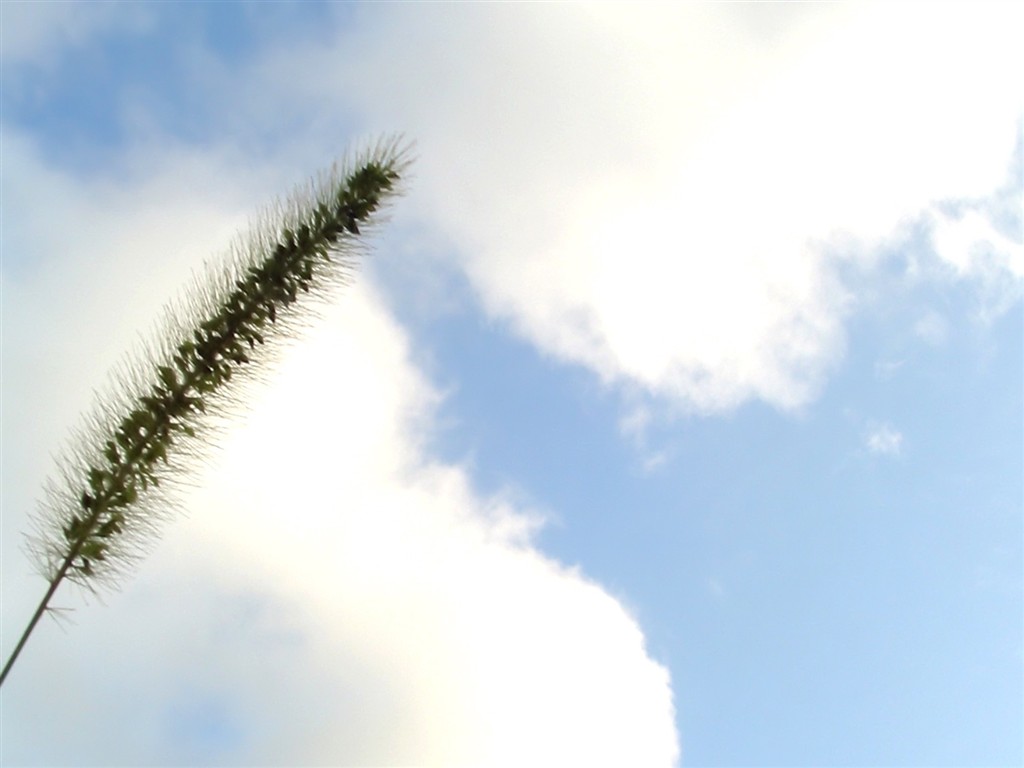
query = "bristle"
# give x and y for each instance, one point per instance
(114, 486)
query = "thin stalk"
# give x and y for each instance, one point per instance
(40, 610)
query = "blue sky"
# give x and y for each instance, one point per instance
(675, 419)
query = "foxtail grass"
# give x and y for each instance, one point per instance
(116, 484)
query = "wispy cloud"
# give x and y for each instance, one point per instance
(883, 439)
(970, 243)
(887, 369)
(932, 328)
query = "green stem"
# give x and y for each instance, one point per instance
(43, 605)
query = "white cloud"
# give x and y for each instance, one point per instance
(884, 440)
(971, 246)
(334, 594)
(635, 425)
(651, 193)
(657, 194)
(970, 243)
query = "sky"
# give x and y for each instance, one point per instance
(674, 419)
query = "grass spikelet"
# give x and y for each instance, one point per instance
(114, 485)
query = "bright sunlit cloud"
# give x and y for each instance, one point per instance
(672, 205)
(536, 664)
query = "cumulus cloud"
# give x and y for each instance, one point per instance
(662, 195)
(665, 196)
(335, 596)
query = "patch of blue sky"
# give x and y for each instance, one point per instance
(200, 728)
(776, 556)
(165, 69)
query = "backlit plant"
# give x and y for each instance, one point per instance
(111, 491)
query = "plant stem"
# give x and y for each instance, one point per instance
(43, 605)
